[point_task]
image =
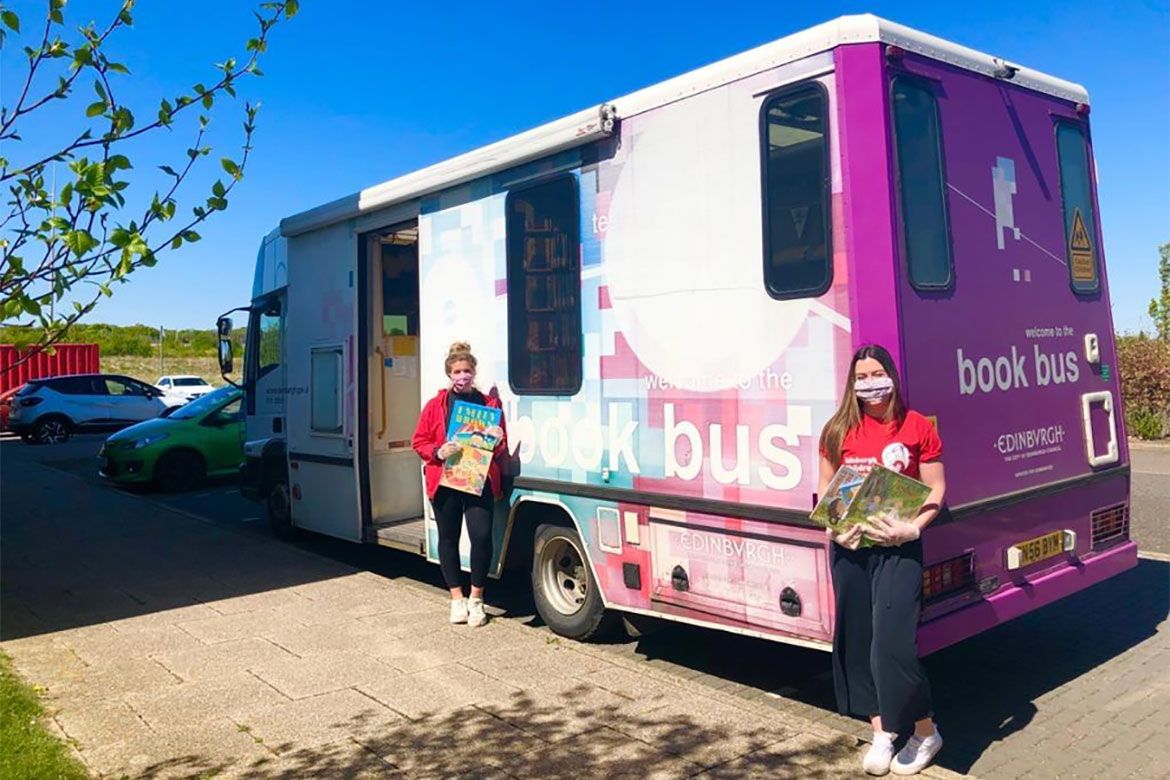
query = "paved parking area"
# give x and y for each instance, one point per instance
(1078, 689)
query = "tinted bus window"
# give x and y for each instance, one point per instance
(544, 288)
(1080, 227)
(797, 229)
(922, 188)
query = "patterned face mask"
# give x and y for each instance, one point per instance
(874, 390)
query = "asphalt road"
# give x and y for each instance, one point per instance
(1001, 694)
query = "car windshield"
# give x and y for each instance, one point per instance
(189, 381)
(204, 404)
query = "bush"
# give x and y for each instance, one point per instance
(1143, 366)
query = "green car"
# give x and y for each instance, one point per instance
(203, 438)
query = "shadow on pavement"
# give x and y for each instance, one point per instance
(543, 736)
(986, 687)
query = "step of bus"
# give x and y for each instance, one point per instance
(409, 534)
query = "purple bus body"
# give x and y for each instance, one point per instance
(1011, 301)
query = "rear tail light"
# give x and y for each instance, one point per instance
(947, 578)
(1110, 526)
(27, 402)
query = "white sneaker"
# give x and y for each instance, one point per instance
(458, 611)
(881, 752)
(475, 614)
(917, 754)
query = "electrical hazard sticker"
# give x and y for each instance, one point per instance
(1080, 251)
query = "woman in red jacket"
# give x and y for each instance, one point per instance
(878, 589)
(451, 506)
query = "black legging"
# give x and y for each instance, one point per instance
(451, 506)
(875, 651)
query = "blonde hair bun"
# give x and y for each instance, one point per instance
(459, 351)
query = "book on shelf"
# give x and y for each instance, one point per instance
(851, 499)
(476, 429)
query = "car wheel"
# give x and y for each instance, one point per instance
(52, 430)
(566, 595)
(179, 471)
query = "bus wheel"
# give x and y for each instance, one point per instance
(566, 595)
(278, 509)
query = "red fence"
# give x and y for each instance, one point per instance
(66, 359)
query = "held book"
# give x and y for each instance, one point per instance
(476, 429)
(851, 499)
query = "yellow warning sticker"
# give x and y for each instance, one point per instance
(1080, 251)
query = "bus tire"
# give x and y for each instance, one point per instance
(278, 509)
(566, 595)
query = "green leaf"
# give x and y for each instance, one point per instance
(11, 20)
(96, 109)
(119, 161)
(118, 67)
(100, 90)
(218, 189)
(190, 236)
(231, 168)
(208, 99)
(80, 242)
(290, 8)
(169, 170)
(176, 242)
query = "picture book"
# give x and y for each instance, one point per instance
(476, 429)
(851, 500)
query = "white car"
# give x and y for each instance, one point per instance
(178, 390)
(48, 411)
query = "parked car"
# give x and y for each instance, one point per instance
(179, 389)
(203, 438)
(6, 405)
(49, 411)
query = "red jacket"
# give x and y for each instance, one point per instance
(431, 432)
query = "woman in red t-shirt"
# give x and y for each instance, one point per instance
(876, 672)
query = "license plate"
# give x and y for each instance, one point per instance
(1035, 550)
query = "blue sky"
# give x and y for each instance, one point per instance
(358, 92)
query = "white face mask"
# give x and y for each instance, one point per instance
(874, 390)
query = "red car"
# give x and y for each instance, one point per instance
(6, 405)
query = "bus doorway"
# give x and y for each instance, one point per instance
(396, 488)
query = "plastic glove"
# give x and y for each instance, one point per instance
(890, 532)
(850, 539)
(448, 449)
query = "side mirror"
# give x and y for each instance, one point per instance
(224, 327)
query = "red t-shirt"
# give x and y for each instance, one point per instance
(899, 449)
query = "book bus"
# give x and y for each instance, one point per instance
(666, 290)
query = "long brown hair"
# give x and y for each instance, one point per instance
(849, 414)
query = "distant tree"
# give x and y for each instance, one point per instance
(67, 242)
(1160, 306)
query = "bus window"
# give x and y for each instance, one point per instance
(1080, 227)
(797, 230)
(544, 288)
(922, 190)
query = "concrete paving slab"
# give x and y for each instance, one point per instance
(238, 625)
(543, 665)
(605, 753)
(559, 713)
(457, 743)
(221, 659)
(305, 723)
(315, 674)
(98, 648)
(190, 703)
(703, 731)
(430, 692)
(346, 636)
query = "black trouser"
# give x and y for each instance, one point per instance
(875, 650)
(451, 506)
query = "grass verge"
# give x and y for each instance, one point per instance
(27, 749)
